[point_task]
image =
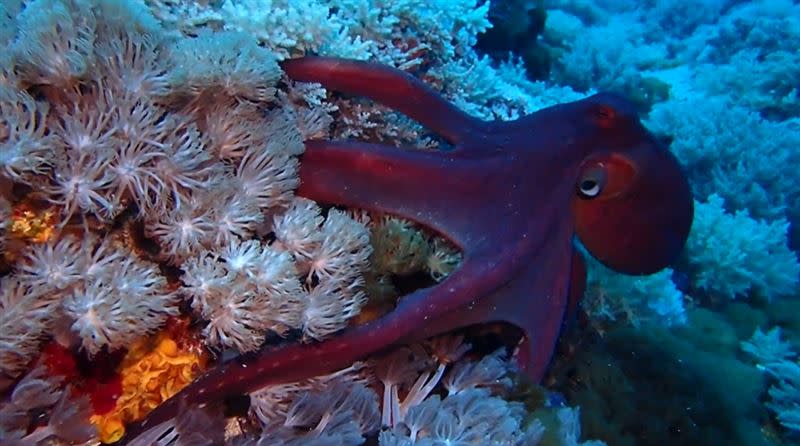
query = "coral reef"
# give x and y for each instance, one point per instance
(653, 384)
(515, 28)
(735, 255)
(130, 140)
(149, 151)
(724, 109)
(149, 156)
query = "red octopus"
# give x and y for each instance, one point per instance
(511, 195)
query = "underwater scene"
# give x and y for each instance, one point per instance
(399, 222)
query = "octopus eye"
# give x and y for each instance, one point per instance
(591, 183)
(589, 188)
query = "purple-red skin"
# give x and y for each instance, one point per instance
(506, 195)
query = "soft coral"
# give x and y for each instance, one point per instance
(25, 143)
(110, 296)
(54, 45)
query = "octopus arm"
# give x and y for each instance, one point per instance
(391, 87)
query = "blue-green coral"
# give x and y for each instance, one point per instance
(732, 255)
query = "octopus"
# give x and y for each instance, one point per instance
(518, 198)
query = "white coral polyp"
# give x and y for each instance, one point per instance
(183, 231)
(54, 265)
(92, 310)
(331, 255)
(330, 307)
(233, 320)
(54, 46)
(244, 291)
(241, 257)
(25, 145)
(344, 250)
(297, 230)
(111, 296)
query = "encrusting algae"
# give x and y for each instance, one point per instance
(31, 224)
(152, 371)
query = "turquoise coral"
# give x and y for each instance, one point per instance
(732, 255)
